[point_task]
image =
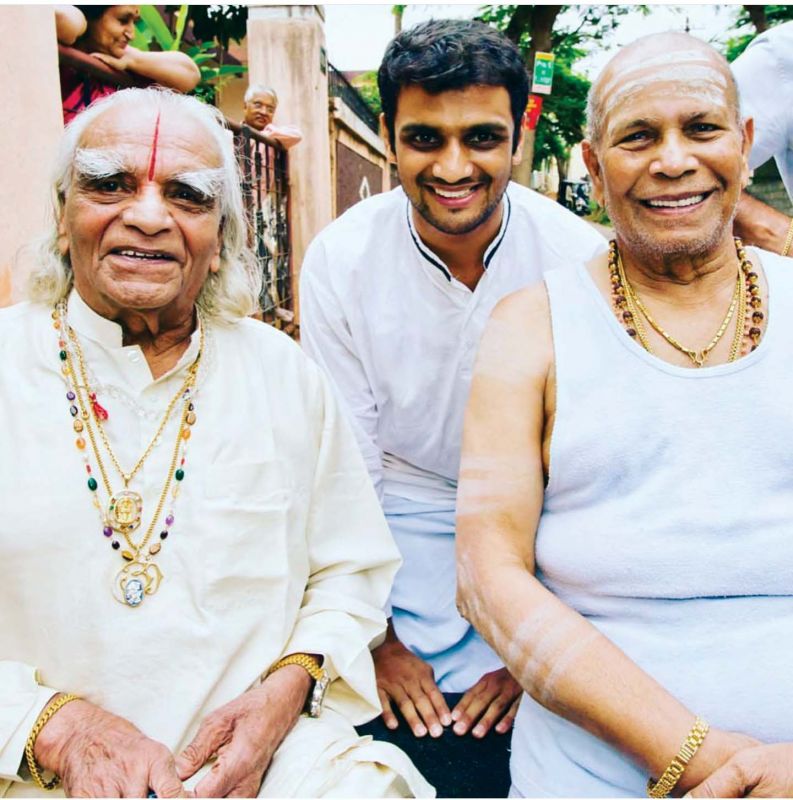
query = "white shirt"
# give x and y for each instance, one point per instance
(398, 333)
(764, 73)
(257, 564)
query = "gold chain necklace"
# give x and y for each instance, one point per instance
(140, 576)
(631, 308)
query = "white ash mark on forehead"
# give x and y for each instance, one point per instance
(701, 80)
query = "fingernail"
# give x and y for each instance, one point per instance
(478, 731)
(446, 719)
(391, 724)
(436, 731)
(455, 714)
(420, 730)
(459, 728)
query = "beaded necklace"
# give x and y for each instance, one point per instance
(630, 310)
(140, 575)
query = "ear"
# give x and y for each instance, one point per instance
(594, 169)
(63, 236)
(517, 156)
(391, 155)
(214, 264)
(746, 146)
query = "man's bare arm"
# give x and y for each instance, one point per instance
(558, 657)
(760, 224)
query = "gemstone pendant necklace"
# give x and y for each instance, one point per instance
(140, 575)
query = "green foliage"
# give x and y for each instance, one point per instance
(744, 30)
(563, 118)
(366, 84)
(221, 23)
(217, 24)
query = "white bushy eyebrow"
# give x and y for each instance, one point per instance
(206, 182)
(94, 163)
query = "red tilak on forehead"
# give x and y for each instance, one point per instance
(153, 159)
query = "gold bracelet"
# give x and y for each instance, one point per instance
(310, 664)
(788, 240)
(44, 718)
(671, 775)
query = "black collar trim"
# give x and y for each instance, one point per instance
(428, 255)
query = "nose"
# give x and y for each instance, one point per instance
(148, 212)
(452, 163)
(673, 157)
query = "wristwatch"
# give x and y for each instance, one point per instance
(313, 667)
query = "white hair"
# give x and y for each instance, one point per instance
(228, 294)
(259, 88)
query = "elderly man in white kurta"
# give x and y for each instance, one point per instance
(192, 551)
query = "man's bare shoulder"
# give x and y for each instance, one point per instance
(517, 345)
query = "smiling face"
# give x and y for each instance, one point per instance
(671, 156)
(113, 31)
(260, 110)
(454, 154)
(141, 219)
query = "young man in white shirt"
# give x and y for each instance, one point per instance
(394, 296)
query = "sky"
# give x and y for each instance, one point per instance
(357, 34)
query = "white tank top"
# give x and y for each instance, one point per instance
(668, 524)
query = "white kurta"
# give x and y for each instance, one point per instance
(278, 546)
(398, 334)
(764, 73)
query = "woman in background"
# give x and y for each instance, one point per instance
(105, 32)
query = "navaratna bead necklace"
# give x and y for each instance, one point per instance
(140, 575)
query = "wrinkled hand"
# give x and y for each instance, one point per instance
(124, 63)
(98, 754)
(409, 682)
(244, 734)
(494, 697)
(764, 771)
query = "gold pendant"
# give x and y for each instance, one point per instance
(135, 580)
(124, 511)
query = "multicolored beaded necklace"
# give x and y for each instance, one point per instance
(630, 310)
(140, 575)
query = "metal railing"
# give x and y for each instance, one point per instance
(264, 166)
(339, 86)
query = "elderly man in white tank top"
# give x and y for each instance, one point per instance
(624, 512)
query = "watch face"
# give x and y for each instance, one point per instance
(318, 695)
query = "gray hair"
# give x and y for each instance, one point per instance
(259, 88)
(228, 294)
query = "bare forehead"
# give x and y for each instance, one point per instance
(674, 66)
(469, 105)
(262, 97)
(180, 138)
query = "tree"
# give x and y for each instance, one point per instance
(366, 84)
(210, 28)
(545, 28)
(751, 21)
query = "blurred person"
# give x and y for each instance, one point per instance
(764, 74)
(260, 104)
(105, 32)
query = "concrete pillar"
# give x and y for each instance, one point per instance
(286, 50)
(32, 125)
